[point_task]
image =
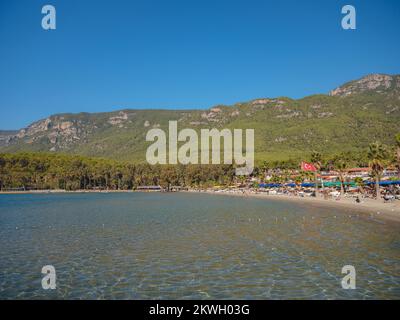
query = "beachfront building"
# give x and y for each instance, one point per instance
(149, 188)
(358, 173)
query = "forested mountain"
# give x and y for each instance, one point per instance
(347, 119)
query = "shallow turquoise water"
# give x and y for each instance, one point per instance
(191, 246)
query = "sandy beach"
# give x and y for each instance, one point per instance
(375, 209)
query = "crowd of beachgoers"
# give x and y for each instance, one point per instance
(387, 194)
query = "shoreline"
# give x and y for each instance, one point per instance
(368, 207)
(64, 191)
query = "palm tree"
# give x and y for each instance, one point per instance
(265, 169)
(397, 137)
(340, 167)
(360, 183)
(377, 155)
(299, 179)
(316, 159)
(276, 178)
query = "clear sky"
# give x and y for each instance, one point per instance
(111, 54)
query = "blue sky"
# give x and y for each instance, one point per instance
(107, 55)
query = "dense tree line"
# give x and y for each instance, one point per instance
(72, 172)
(57, 171)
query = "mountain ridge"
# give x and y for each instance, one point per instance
(346, 119)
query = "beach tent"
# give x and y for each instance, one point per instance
(337, 184)
(270, 185)
(308, 185)
(327, 184)
(279, 185)
(384, 183)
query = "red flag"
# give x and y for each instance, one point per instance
(305, 166)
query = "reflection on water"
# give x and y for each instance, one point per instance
(191, 246)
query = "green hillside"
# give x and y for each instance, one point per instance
(347, 119)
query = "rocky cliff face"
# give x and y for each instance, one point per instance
(61, 132)
(378, 83)
(58, 131)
